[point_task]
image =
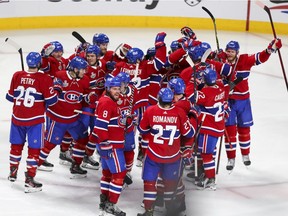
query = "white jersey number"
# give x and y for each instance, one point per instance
(218, 114)
(171, 128)
(28, 98)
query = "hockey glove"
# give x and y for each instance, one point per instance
(188, 32)
(47, 50)
(105, 149)
(110, 65)
(159, 40)
(58, 85)
(194, 111)
(186, 151)
(274, 45)
(91, 98)
(81, 48)
(227, 110)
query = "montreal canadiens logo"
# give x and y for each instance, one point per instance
(100, 83)
(72, 97)
(122, 120)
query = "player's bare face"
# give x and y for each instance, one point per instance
(123, 88)
(103, 48)
(115, 92)
(231, 55)
(91, 59)
(81, 73)
(57, 55)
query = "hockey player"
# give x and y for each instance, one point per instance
(52, 61)
(30, 92)
(240, 118)
(73, 87)
(108, 134)
(126, 103)
(166, 124)
(96, 73)
(52, 58)
(211, 100)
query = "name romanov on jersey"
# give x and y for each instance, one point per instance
(165, 119)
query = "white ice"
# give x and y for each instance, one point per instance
(262, 189)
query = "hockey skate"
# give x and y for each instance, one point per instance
(13, 174)
(207, 183)
(103, 200)
(246, 160)
(140, 157)
(90, 163)
(230, 165)
(111, 209)
(31, 185)
(65, 158)
(146, 213)
(159, 205)
(127, 180)
(77, 171)
(46, 166)
(191, 176)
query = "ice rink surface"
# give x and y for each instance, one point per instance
(260, 190)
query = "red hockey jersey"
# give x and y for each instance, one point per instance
(70, 99)
(211, 102)
(243, 69)
(30, 92)
(165, 126)
(108, 126)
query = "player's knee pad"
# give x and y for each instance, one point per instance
(106, 173)
(207, 157)
(244, 134)
(118, 178)
(48, 146)
(231, 132)
(16, 149)
(82, 142)
(33, 153)
(149, 185)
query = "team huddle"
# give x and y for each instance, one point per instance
(182, 100)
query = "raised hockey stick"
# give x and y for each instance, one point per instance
(114, 53)
(84, 112)
(78, 37)
(18, 48)
(214, 23)
(260, 4)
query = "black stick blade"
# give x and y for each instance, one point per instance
(78, 37)
(210, 14)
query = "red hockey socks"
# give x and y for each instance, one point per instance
(244, 139)
(45, 151)
(15, 155)
(231, 141)
(32, 161)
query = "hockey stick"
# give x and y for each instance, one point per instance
(78, 37)
(214, 23)
(18, 48)
(84, 112)
(219, 153)
(260, 4)
(195, 144)
(114, 53)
